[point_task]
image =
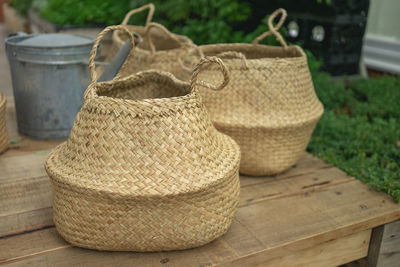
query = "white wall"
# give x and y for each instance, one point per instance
(384, 19)
(381, 49)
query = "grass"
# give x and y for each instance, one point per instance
(360, 129)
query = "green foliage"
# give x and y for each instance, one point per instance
(360, 129)
(204, 21)
(328, 2)
(21, 6)
(90, 12)
(377, 97)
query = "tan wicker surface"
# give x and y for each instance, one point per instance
(3, 128)
(159, 49)
(144, 169)
(269, 107)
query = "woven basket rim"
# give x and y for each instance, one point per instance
(245, 46)
(149, 76)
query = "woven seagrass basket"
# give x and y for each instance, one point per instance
(144, 169)
(269, 107)
(159, 48)
(3, 128)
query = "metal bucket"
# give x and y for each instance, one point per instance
(49, 75)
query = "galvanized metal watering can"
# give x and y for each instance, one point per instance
(49, 74)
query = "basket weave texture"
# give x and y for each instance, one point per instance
(144, 169)
(158, 49)
(3, 128)
(269, 107)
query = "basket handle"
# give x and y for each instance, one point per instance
(89, 92)
(167, 32)
(202, 64)
(128, 15)
(234, 54)
(274, 30)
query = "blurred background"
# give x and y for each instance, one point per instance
(353, 49)
(341, 33)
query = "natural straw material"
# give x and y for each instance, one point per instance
(3, 128)
(144, 169)
(269, 107)
(159, 48)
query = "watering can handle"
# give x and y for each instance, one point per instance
(92, 56)
(90, 91)
(119, 58)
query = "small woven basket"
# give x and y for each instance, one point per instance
(144, 169)
(3, 128)
(269, 107)
(159, 48)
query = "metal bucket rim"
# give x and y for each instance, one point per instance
(9, 42)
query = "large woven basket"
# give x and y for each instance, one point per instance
(144, 169)
(3, 128)
(269, 107)
(159, 48)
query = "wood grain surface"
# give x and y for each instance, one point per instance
(313, 214)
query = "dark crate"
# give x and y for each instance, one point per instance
(334, 39)
(343, 22)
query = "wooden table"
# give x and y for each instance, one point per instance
(313, 215)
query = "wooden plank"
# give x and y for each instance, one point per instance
(306, 164)
(375, 246)
(332, 253)
(53, 249)
(385, 246)
(261, 232)
(23, 186)
(27, 244)
(26, 205)
(278, 187)
(312, 204)
(23, 195)
(303, 221)
(327, 254)
(22, 145)
(390, 247)
(19, 223)
(22, 167)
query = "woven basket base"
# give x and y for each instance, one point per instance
(267, 151)
(3, 144)
(103, 222)
(3, 128)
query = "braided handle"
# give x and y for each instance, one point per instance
(167, 32)
(128, 15)
(96, 44)
(234, 54)
(202, 64)
(274, 30)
